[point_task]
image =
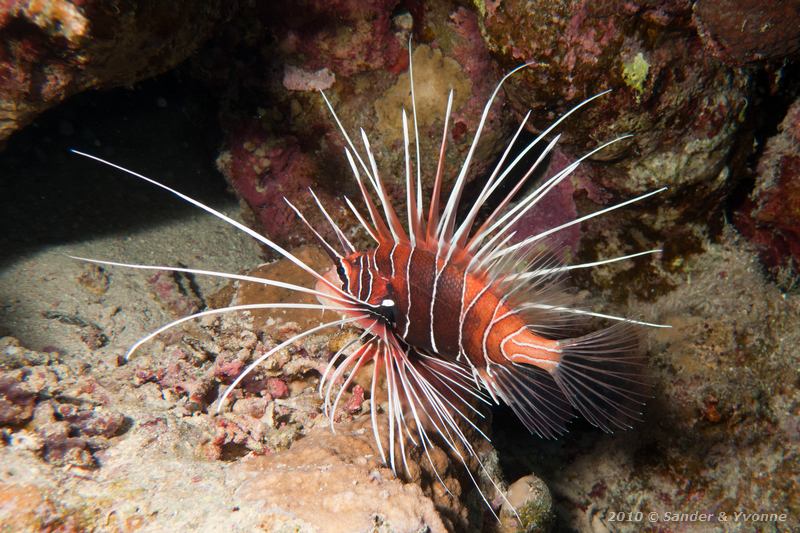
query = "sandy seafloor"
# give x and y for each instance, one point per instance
(720, 436)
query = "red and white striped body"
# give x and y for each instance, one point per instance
(442, 308)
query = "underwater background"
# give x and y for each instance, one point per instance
(220, 100)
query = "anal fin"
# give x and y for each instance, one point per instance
(534, 397)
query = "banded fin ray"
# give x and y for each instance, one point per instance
(601, 375)
(534, 397)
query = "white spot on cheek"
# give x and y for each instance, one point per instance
(387, 303)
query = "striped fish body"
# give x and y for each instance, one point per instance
(442, 308)
(445, 330)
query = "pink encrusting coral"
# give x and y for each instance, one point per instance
(561, 207)
(265, 170)
(478, 65)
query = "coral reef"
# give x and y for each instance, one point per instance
(280, 136)
(720, 434)
(682, 106)
(54, 409)
(44, 409)
(89, 441)
(52, 50)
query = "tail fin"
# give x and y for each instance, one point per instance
(602, 375)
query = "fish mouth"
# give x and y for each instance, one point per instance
(332, 298)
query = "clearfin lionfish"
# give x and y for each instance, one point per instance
(451, 314)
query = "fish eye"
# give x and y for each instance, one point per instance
(386, 310)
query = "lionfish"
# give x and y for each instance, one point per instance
(452, 316)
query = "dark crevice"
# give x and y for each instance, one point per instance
(774, 91)
(165, 128)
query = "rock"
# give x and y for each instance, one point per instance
(26, 507)
(333, 483)
(53, 50)
(533, 503)
(770, 218)
(683, 107)
(16, 400)
(14, 355)
(286, 271)
(174, 292)
(740, 32)
(37, 417)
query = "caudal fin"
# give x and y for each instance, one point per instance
(602, 375)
